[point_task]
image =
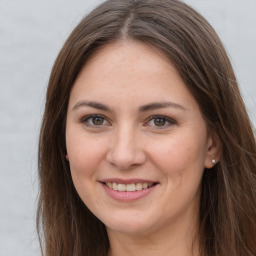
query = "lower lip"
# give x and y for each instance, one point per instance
(127, 196)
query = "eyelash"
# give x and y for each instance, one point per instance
(165, 119)
(86, 120)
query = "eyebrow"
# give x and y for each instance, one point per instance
(91, 104)
(144, 108)
(158, 105)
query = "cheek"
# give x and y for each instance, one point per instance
(85, 154)
(179, 153)
(181, 161)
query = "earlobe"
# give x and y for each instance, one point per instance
(67, 157)
(214, 150)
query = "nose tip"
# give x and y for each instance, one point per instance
(125, 161)
(126, 153)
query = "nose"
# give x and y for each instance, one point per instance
(126, 150)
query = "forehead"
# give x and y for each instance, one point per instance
(130, 70)
(124, 54)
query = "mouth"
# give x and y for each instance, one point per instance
(128, 190)
(129, 187)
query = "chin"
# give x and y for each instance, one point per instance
(130, 225)
(131, 230)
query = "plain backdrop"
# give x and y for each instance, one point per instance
(31, 35)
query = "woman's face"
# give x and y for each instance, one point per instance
(137, 143)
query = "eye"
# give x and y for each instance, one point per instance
(160, 122)
(95, 120)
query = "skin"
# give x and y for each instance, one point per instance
(126, 142)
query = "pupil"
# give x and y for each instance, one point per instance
(159, 121)
(97, 120)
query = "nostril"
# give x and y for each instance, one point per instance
(125, 160)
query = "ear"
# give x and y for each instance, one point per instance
(214, 149)
(67, 157)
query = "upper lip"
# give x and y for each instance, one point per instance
(127, 181)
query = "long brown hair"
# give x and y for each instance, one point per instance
(228, 198)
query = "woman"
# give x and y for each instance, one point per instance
(146, 147)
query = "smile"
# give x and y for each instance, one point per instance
(132, 187)
(128, 190)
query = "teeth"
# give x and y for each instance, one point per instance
(128, 187)
(138, 186)
(121, 187)
(109, 184)
(145, 185)
(114, 186)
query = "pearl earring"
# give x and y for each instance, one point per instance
(213, 161)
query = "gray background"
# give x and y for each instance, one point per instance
(31, 34)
